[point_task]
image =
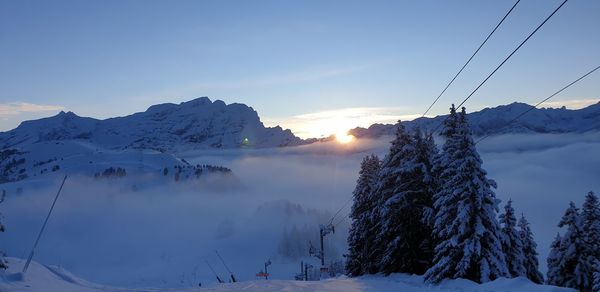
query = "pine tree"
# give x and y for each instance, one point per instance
(395, 207)
(554, 275)
(388, 179)
(596, 287)
(465, 224)
(512, 244)
(406, 237)
(426, 153)
(591, 224)
(440, 169)
(574, 266)
(433, 180)
(530, 254)
(440, 166)
(3, 262)
(590, 213)
(573, 262)
(359, 237)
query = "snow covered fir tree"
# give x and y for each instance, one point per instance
(3, 263)
(402, 196)
(512, 244)
(573, 256)
(393, 209)
(359, 235)
(591, 225)
(597, 277)
(567, 265)
(434, 213)
(465, 223)
(531, 262)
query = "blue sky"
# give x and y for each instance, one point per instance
(292, 61)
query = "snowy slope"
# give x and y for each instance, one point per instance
(53, 278)
(495, 120)
(196, 124)
(43, 278)
(140, 143)
(395, 282)
(77, 157)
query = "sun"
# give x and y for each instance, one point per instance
(343, 137)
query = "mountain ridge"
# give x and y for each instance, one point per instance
(203, 124)
(495, 121)
(195, 124)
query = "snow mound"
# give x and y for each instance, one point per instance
(52, 278)
(44, 278)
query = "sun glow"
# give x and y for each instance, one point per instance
(343, 137)
(323, 124)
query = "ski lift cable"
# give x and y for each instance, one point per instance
(339, 221)
(213, 270)
(489, 75)
(340, 209)
(37, 240)
(513, 52)
(222, 261)
(450, 83)
(544, 100)
(505, 60)
(471, 58)
(209, 266)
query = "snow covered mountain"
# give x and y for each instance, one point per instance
(145, 142)
(495, 121)
(196, 124)
(150, 141)
(203, 124)
(75, 157)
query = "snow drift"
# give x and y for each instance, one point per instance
(53, 278)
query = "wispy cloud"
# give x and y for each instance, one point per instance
(325, 123)
(16, 108)
(572, 103)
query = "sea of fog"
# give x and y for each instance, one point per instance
(137, 232)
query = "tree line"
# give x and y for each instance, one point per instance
(433, 212)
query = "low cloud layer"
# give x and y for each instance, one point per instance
(160, 235)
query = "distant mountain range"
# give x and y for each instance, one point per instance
(149, 142)
(492, 121)
(203, 124)
(196, 124)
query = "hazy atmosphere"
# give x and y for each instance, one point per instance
(104, 232)
(299, 146)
